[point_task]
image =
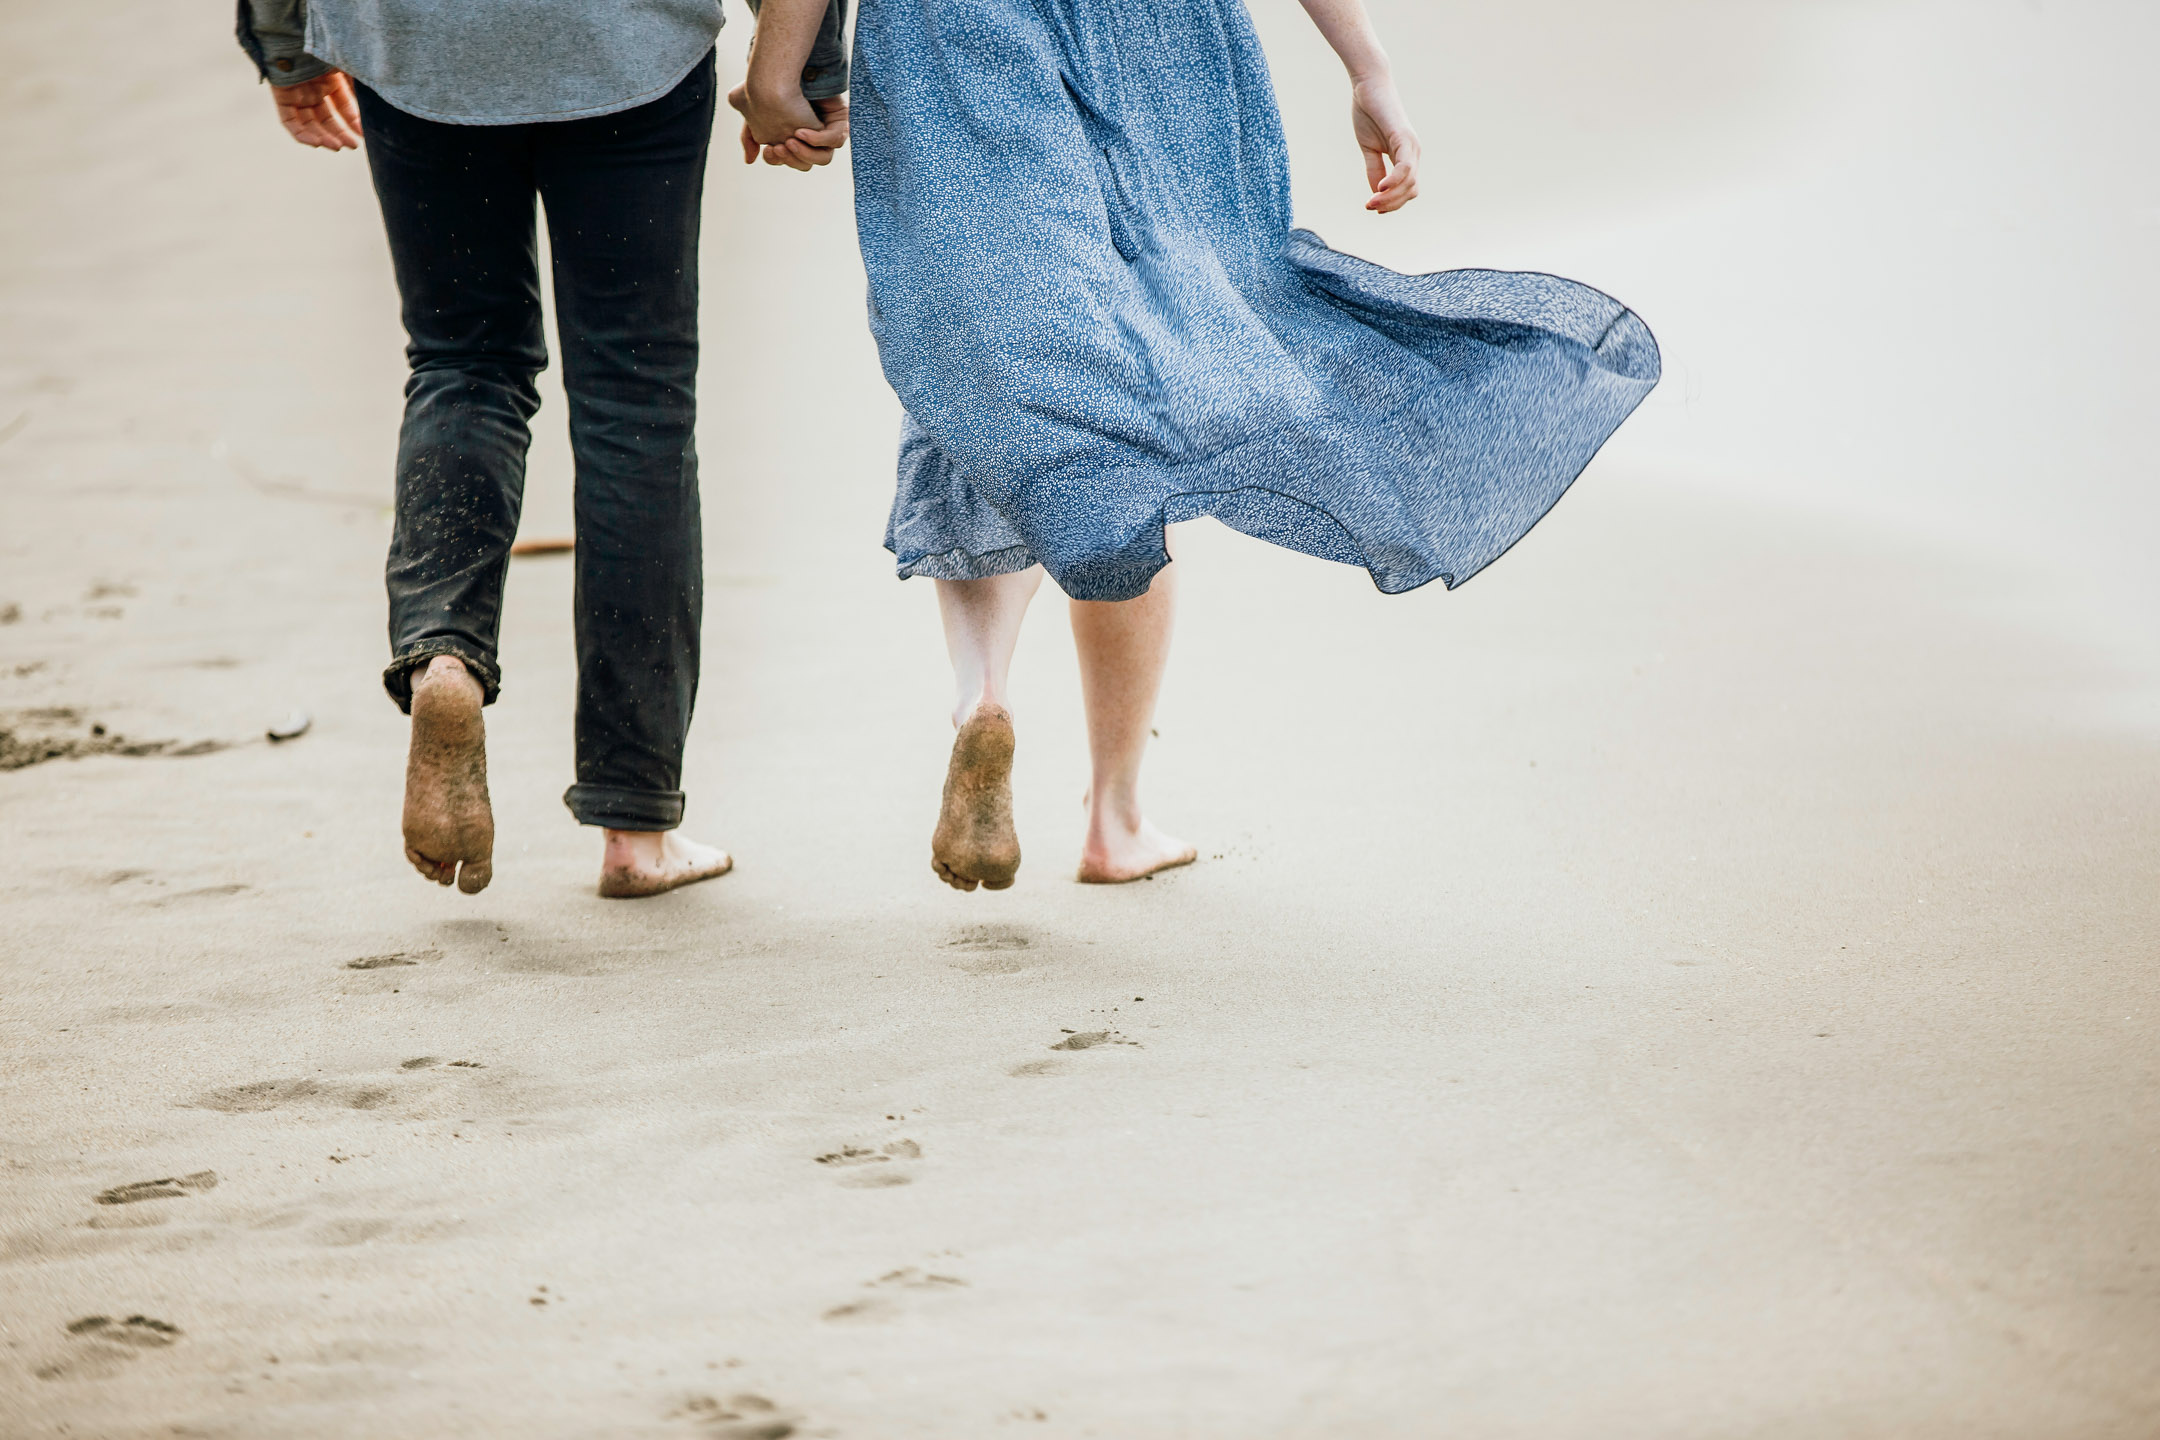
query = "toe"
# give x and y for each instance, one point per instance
(474, 875)
(430, 868)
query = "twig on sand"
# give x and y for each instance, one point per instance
(551, 545)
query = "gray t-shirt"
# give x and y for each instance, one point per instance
(507, 62)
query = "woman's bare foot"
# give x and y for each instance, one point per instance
(647, 862)
(449, 828)
(1125, 846)
(974, 843)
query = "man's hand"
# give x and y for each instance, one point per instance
(789, 130)
(320, 112)
(1384, 134)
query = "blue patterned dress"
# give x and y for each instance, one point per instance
(1087, 294)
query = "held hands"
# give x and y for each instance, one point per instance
(787, 129)
(320, 112)
(1384, 134)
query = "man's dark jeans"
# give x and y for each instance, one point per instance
(622, 193)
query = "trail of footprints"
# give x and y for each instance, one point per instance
(991, 950)
(100, 1346)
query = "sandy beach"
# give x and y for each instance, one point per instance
(1701, 979)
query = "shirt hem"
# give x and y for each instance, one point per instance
(588, 112)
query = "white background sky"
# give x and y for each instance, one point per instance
(1900, 256)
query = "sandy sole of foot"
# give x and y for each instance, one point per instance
(449, 823)
(975, 843)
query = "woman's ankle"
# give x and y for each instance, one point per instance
(971, 706)
(1114, 811)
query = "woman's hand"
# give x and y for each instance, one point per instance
(808, 147)
(1384, 134)
(320, 112)
(814, 147)
(1376, 111)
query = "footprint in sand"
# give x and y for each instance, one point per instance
(848, 1157)
(260, 1095)
(1089, 1039)
(888, 1290)
(397, 957)
(1074, 1040)
(100, 1346)
(421, 1088)
(354, 1230)
(201, 892)
(171, 1188)
(127, 1220)
(738, 1417)
(989, 937)
(991, 950)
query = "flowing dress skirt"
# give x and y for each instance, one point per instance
(1086, 291)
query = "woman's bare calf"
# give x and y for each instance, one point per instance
(1124, 647)
(975, 843)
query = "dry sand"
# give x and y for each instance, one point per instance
(1697, 980)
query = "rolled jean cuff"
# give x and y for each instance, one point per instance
(620, 809)
(398, 678)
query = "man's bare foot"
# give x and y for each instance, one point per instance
(449, 828)
(974, 843)
(1118, 850)
(647, 862)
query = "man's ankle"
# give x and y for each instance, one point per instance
(445, 670)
